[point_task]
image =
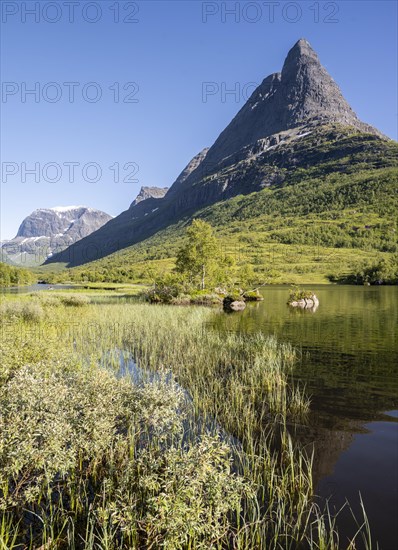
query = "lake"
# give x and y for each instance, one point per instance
(348, 361)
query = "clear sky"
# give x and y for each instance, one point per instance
(160, 72)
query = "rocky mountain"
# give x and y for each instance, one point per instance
(48, 231)
(4, 258)
(303, 94)
(297, 121)
(149, 193)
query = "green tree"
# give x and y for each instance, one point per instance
(247, 277)
(10, 275)
(196, 258)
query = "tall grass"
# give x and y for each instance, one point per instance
(195, 454)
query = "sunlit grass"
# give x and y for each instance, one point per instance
(195, 454)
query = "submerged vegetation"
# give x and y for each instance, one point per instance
(140, 426)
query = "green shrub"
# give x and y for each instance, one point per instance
(380, 271)
(26, 311)
(296, 294)
(14, 276)
(75, 300)
(162, 294)
(233, 296)
(110, 451)
(32, 312)
(196, 494)
(252, 296)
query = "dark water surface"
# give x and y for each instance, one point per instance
(348, 361)
(35, 288)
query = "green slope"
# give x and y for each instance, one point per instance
(300, 232)
(313, 157)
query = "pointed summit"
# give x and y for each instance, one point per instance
(302, 94)
(300, 55)
(302, 43)
(301, 48)
(148, 193)
(310, 93)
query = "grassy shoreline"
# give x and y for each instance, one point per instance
(89, 459)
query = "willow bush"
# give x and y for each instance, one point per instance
(137, 426)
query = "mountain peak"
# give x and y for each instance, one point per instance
(302, 94)
(47, 222)
(303, 47)
(49, 230)
(149, 193)
(301, 53)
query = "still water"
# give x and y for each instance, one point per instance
(348, 361)
(35, 288)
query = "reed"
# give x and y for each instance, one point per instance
(140, 426)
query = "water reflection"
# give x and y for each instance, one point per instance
(36, 288)
(304, 308)
(348, 361)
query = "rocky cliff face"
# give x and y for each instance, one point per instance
(196, 163)
(149, 193)
(303, 94)
(50, 230)
(295, 119)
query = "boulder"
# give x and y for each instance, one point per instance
(238, 305)
(306, 303)
(231, 304)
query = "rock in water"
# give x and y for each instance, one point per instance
(231, 304)
(306, 303)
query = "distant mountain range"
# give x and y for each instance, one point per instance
(50, 230)
(295, 126)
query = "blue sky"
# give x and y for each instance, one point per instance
(166, 57)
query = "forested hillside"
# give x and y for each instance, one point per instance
(311, 230)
